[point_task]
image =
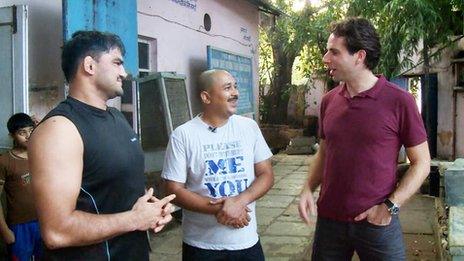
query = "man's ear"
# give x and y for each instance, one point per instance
(89, 65)
(361, 56)
(205, 97)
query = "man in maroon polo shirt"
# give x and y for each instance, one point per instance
(363, 123)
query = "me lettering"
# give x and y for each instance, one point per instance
(224, 166)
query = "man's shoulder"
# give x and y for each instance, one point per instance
(396, 93)
(395, 89)
(6, 159)
(239, 119)
(54, 128)
(188, 124)
(330, 94)
(55, 121)
(61, 113)
(186, 128)
(114, 110)
(118, 114)
(63, 106)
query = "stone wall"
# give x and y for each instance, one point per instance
(454, 198)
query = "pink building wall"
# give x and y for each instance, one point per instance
(182, 39)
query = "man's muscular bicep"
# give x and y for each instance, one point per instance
(55, 158)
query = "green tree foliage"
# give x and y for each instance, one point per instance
(406, 27)
(295, 33)
(318, 33)
(283, 40)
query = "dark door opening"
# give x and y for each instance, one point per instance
(430, 110)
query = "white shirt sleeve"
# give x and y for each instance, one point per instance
(262, 151)
(175, 161)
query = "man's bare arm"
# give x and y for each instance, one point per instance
(263, 182)
(234, 209)
(190, 200)
(7, 234)
(194, 202)
(419, 169)
(56, 164)
(419, 156)
(315, 172)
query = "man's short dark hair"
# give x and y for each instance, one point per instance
(359, 34)
(19, 121)
(87, 43)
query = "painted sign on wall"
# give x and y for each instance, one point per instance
(190, 4)
(241, 68)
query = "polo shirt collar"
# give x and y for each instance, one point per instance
(372, 92)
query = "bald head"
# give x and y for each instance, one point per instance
(218, 93)
(208, 78)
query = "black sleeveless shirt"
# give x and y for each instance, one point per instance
(112, 178)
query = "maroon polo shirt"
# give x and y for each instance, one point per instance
(363, 135)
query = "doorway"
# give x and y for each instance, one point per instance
(13, 67)
(430, 110)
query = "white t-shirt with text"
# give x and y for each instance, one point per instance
(216, 164)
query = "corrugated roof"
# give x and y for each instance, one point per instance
(265, 7)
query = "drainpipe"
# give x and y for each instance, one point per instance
(455, 98)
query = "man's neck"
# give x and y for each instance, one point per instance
(88, 96)
(363, 81)
(213, 120)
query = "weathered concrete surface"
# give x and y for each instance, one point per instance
(417, 222)
(417, 219)
(285, 237)
(454, 182)
(420, 247)
(167, 245)
(456, 231)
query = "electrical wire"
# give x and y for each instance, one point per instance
(197, 30)
(431, 55)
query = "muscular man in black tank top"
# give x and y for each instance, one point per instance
(88, 165)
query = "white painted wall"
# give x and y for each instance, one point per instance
(446, 81)
(179, 49)
(313, 97)
(181, 42)
(183, 50)
(460, 125)
(45, 40)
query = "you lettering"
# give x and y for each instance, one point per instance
(227, 188)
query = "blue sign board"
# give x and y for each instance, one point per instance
(118, 17)
(241, 68)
